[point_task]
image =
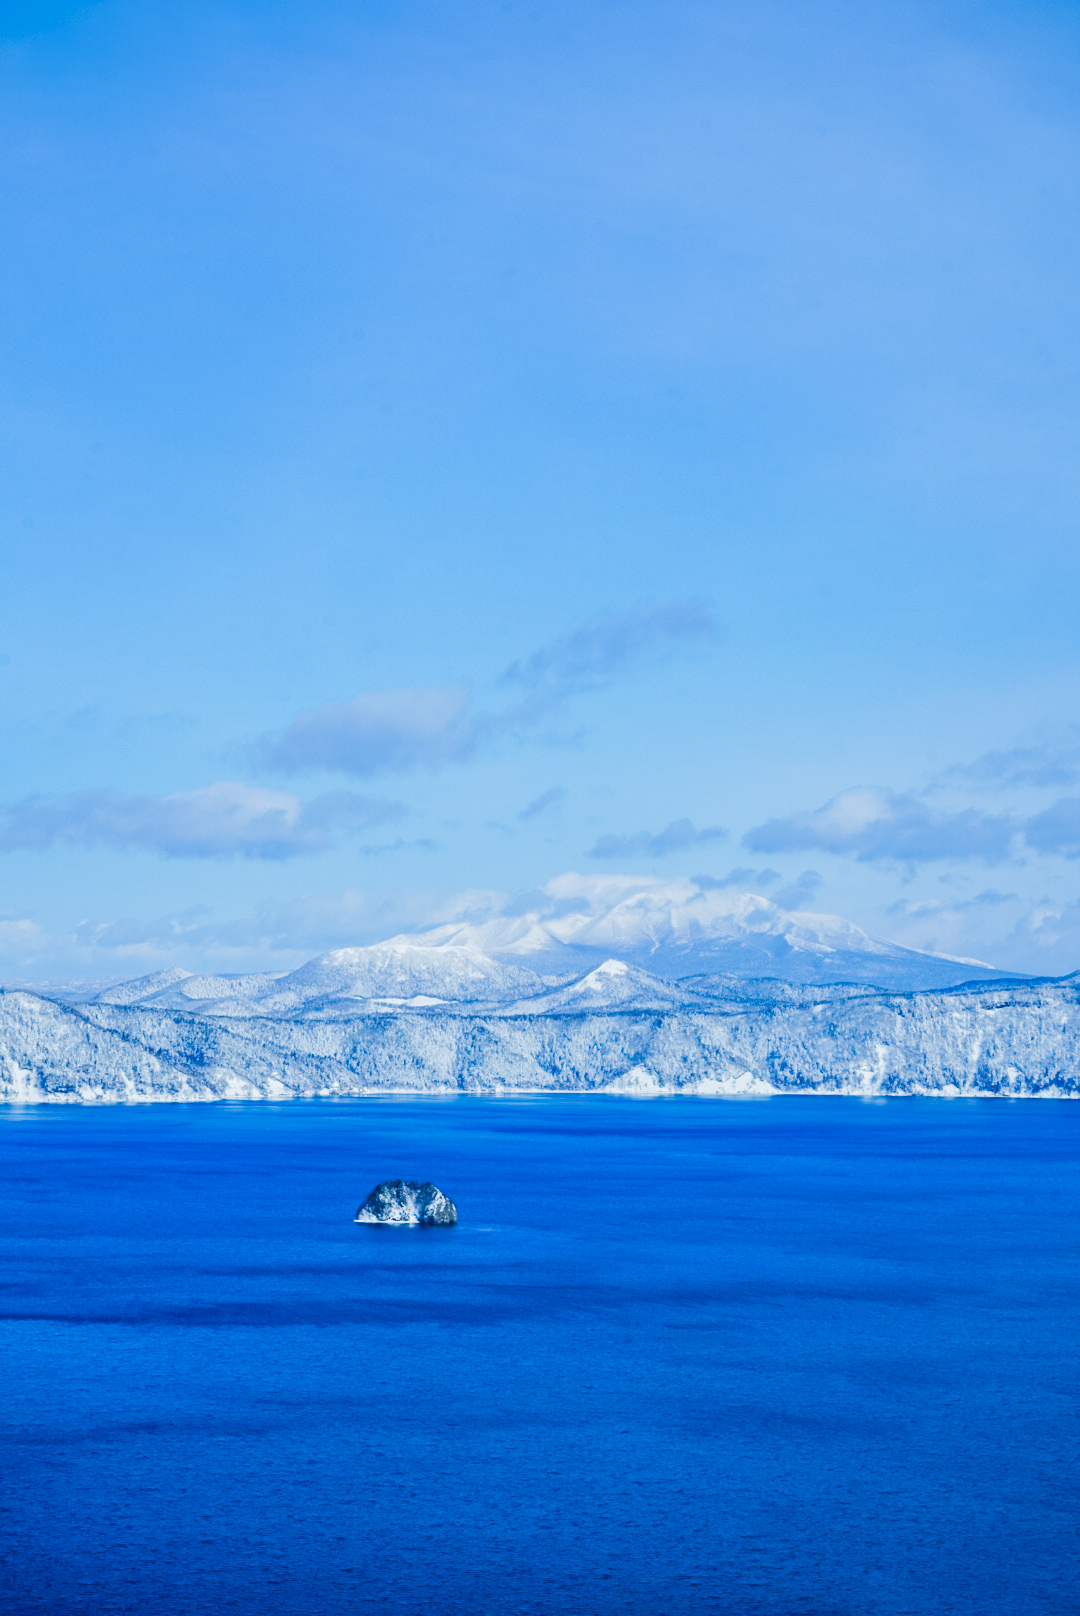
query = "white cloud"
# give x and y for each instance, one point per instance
(1041, 938)
(742, 876)
(801, 893)
(225, 820)
(974, 927)
(903, 828)
(302, 927)
(19, 938)
(1044, 763)
(889, 827)
(917, 910)
(1056, 829)
(675, 838)
(1047, 937)
(380, 731)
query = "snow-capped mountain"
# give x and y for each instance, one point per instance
(600, 929)
(402, 971)
(740, 996)
(612, 985)
(686, 927)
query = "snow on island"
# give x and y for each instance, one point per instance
(400, 1200)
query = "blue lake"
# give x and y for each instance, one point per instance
(803, 1355)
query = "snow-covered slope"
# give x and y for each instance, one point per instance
(401, 971)
(612, 985)
(573, 929)
(557, 997)
(1020, 1038)
(679, 928)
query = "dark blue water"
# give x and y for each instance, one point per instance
(794, 1356)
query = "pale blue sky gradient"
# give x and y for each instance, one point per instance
(497, 439)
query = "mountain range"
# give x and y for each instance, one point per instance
(532, 1002)
(672, 929)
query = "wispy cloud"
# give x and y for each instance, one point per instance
(378, 732)
(190, 928)
(225, 820)
(19, 936)
(905, 909)
(675, 838)
(1049, 934)
(801, 893)
(970, 928)
(542, 803)
(742, 876)
(381, 731)
(1049, 763)
(1056, 829)
(302, 926)
(903, 828)
(591, 655)
(889, 827)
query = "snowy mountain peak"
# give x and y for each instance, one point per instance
(143, 987)
(585, 941)
(403, 968)
(612, 985)
(683, 927)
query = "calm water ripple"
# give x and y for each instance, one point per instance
(802, 1355)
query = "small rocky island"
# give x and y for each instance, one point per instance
(400, 1200)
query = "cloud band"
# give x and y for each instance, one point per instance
(224, 820)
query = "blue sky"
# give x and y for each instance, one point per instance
(445, 446)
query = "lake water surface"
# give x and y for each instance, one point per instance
(802, 1355)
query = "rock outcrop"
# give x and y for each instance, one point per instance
(400, 1200)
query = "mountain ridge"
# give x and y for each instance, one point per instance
(1014, 1038)
(573, 926)
(687, 926)
(531, 1002)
